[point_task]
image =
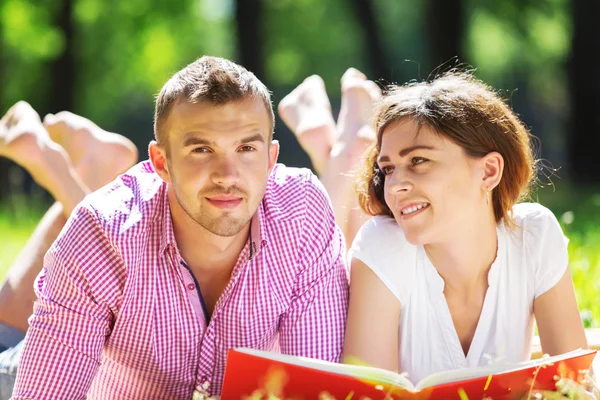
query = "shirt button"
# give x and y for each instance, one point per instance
(191, 286)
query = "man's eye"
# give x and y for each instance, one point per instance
(247, 148)
(201, 150)
(418, 160)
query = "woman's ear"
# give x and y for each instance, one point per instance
(492, 167)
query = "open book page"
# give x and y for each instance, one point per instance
(375, 375)
(470, 373)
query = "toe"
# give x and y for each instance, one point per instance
(21, 111)
(315, 80)
(283, 108)
(352, 74)
(54, 126)
(373, 89)
(49, 119)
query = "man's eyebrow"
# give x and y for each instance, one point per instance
(192, 140)
(407, 151)
(254, 138)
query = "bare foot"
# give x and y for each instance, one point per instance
(355, 135)
(354, 126)
(24, 140)
(307, 112)
(98, 156)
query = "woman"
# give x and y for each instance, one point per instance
(451, 272)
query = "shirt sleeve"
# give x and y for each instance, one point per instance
(547, 247)
(314, 324)
(73, 314)
(381, 245)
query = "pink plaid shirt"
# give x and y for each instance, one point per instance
(118, 315)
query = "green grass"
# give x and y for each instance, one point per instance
(578, 209)
(17, 222)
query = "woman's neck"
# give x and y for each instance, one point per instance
(465, 260)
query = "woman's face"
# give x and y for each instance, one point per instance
(432, 187)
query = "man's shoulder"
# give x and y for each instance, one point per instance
(133, 198)
(288, 178)
(293, 191)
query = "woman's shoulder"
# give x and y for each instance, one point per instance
(535, 222)
(544, 245)
(381, 245)
(531, 214)
(381, 233)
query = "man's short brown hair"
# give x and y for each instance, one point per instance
(213, 79)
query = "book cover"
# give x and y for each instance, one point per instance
(255, 374)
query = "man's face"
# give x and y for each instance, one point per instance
(218, 160)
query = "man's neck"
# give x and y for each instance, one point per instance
(201, 249)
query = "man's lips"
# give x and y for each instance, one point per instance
(224, 202)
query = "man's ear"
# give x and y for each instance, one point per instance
(273, 154)
(158, 158)
(493, 167)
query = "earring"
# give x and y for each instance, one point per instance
(487, 196)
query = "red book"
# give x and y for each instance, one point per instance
(254, 374)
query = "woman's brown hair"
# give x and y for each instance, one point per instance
(466, 111)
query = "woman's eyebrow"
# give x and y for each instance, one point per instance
(407, 151)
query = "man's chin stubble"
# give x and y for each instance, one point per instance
(223, 228)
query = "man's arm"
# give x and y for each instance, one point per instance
(73, 313)
(315, 322)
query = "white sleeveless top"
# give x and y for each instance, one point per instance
(529, 262)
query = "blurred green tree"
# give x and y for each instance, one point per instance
(106, 59)
(445, 27)
(379, 63)
(521, 47)
(248, 23)
(63, 68)
(584, 79)
(4, 165)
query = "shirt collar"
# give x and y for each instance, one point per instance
(167, 239)
(257, 231)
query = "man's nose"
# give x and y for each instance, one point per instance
(226, 172)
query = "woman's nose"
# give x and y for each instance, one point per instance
(398, 183)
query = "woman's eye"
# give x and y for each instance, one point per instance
(388, 169)
(417, 160)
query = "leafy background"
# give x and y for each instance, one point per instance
(106, 60)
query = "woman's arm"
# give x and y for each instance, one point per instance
(558, 320)
(373, 321)
(555, 307)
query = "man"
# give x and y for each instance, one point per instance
(209, 245)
